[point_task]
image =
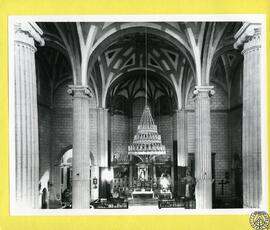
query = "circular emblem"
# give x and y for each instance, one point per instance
(259, 220)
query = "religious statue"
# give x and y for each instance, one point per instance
(142, 174)
(189, 189)
(164, 182)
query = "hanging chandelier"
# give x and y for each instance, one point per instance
(147, 142)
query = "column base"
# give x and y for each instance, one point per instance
(80, 200)
(203, 192)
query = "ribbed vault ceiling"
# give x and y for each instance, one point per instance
(99, 53)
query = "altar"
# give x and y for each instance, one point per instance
(142, 192)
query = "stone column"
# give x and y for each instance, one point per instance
(249, 37)
(55, 191)
(102, 140)
(154, 172)
(81, 147)
(26, 117)
(131, 158)
(172, 179)
(203, 172)
(130, 174)
(182, 151)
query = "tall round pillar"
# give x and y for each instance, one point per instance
(130, 178)
(81, 147)
(154, 172)
(182, 151)
(249, 38)
(203, 170)
(26, 119)
(102, 140)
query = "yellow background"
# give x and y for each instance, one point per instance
(66, 7)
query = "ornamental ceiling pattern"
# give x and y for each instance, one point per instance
(184, 54)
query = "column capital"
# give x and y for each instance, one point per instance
(204, 91)
(28, 32)
(248, 36)
(79, 91)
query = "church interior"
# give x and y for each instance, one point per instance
(139, 113)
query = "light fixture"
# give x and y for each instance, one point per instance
(147, 142)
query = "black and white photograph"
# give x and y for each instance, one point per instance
(137, 114)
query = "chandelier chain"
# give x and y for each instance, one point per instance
(146, 60)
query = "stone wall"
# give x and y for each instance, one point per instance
(44, 121)
(119, 136)
(44, 131)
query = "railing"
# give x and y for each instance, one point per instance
(110, 204)
(171, 203)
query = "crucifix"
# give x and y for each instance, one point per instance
(223, 182)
